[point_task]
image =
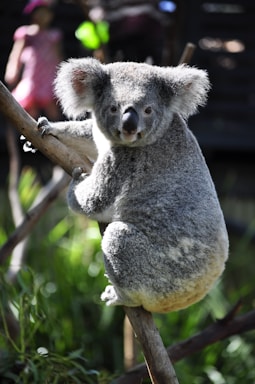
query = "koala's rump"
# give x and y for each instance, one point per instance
(188, 282)
(161, 279)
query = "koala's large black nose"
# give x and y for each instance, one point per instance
(130, 121)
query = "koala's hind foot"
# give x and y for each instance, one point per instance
(112, 297)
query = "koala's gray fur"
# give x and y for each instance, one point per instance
(166, 242)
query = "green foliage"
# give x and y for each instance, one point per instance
(28, 187)
(56, 301)
(22, 361)
(228, 361)
(67, 335)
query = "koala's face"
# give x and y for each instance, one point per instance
(130, 110)
(133, 103)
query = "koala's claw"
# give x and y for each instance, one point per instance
(44, 131)
(43, 126)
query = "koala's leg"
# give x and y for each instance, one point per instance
(125, 251)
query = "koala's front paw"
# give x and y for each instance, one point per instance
(77, 172)
(43, 126)
(110, 296)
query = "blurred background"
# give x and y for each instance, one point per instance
(61, 276)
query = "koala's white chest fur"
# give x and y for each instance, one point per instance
(102, 144)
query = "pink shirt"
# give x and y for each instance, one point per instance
(40, 58)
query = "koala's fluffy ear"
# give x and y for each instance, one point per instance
(78, 84)
(189, 87)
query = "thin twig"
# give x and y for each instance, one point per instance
(14, 171)
(130, 345)
(19, 251)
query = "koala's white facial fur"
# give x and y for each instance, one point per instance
(166, 242)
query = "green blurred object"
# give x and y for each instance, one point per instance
(93, 35)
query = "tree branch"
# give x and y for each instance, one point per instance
(51, 147)
(220, 330)
(157, 360)
(32, 217)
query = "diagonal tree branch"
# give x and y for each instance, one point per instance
(52, 148)
(158, 364)
(220, 330)
(32, 217)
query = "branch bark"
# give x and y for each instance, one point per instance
(157, 360)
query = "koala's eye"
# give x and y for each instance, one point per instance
(148, 110)
(113, 108)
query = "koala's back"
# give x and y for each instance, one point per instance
(169, 218)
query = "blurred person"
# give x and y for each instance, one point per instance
(32, 63)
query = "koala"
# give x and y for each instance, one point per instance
(165, 243)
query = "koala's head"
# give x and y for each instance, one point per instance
(133, 103)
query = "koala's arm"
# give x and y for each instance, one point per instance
(74, 134)
(94, 195)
